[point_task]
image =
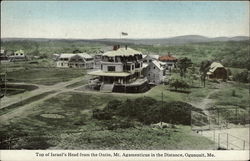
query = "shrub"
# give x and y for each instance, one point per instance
(178, 83)
(242, 77)
(147, 111)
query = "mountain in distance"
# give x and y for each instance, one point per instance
(150, 41)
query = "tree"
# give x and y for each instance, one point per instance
(204, 68)
(178, 83)
(191, 73)
(76, 51)
(183, 64)
(243, 77)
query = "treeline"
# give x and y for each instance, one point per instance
(230, 54)
(47, 48)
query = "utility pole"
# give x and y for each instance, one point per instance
(161, 107)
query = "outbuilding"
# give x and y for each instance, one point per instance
(217, 71)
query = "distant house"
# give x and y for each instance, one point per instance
(149, 58)
(79, 60)
(2, 51)
(155, 72)
(169, 60)
(217, 71)
(18, 56)
(3, 55)
(55, 57)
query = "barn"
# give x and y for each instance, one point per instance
(217, 71)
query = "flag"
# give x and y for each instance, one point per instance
(124, 34)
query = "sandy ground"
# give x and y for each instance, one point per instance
(234, 138)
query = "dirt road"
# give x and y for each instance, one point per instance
(19, 112)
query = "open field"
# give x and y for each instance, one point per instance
(47, 76)
(77, 130)
(13, 89)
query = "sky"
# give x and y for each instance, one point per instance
(107, 19)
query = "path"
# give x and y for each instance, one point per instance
(206, 102)
(8, 100)
(28, 108)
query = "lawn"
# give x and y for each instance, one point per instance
(44, 72)
(12, 89)
(233, 94)
(234, 100)
(44, 76)
(24, 102)
(74, 128)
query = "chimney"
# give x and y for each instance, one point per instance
(115, 47)
(118, 46)
(126, 47)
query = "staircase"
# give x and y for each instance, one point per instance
(106, 88)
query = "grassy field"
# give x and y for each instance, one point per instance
(76, 129)
(234, 94)
(24, 102)
(234, 100)
(45, 76)
(12, 89)
(44, 72)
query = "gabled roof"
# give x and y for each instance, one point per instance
(157, 64)
(122, 52)
(66, 55)
(167, 58)
(214, 66)
(19, 52)
(85, 55)
(69, 55)
(144, 56)
(154, 56)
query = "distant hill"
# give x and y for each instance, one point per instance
(156, 41)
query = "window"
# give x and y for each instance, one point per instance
(111, 68)
(133, 67)
(154, 67)
(101, 67)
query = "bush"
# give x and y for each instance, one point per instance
(178, 83)
(147, 111)
(242, 77)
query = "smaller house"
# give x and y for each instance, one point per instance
(169, 60)
(155, 73)
(217, 71)
(80, 60)
(55, 57)
(149, 58)
(3, 55)
(18, 56)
